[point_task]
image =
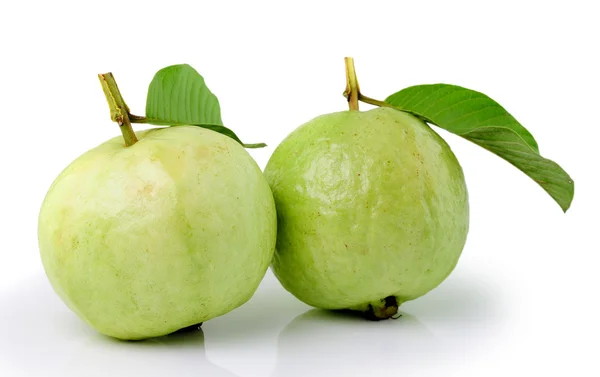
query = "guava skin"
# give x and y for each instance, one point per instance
(172, 231)
(372, 206)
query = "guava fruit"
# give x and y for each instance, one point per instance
(372, 210)
(172, 231)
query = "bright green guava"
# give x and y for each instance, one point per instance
(372, 210)
(144, 240)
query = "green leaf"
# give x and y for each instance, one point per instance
(178, 96)
(226, 131)
(480, 119)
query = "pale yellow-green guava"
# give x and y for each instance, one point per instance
(372, 210)
(144, 240)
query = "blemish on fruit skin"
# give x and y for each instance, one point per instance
(147, 190)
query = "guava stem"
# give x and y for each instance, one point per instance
(352, 89)
(119, 112)
(353, 94)
(137, 119)
(372, 101)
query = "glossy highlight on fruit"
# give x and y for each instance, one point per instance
(172, 231)
(372, 210)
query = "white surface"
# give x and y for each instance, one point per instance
(524, 297)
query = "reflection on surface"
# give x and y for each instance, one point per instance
(451, 325)
(180, 354)
(324, 343)
(41, 337)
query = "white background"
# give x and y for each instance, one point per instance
(524, 297)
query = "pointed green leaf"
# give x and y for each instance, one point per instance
(480, 119)
(178, 96)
